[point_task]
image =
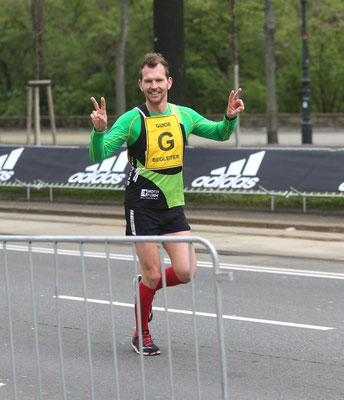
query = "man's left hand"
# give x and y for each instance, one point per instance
(235, 105)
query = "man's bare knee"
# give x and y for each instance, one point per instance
(151, 275)
(184, 274)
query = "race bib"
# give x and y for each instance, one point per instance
(165, 144)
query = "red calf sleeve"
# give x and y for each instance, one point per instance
(171, 279)
(146, 299)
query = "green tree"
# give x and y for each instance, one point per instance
(80, 53)
(16, 53)
(326, 48)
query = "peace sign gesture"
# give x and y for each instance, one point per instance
(98, 116)
(235, 105)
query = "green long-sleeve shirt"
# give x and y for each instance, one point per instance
(166, 186)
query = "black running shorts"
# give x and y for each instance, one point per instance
(155, 221)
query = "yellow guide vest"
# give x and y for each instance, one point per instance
(164, 141)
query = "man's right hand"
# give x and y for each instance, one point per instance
(98, 116)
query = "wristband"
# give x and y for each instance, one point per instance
(230, 119)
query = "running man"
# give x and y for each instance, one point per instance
(155, 133)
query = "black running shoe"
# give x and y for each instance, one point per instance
(149, 348)
(139, 278)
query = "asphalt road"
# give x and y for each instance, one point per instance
(283, 324)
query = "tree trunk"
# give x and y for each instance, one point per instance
(270, 69)
(169, 41)
(37, 12)
(120, 61)
(236, 65)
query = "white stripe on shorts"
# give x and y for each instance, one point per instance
(132, 223)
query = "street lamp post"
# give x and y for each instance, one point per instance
(306, 119)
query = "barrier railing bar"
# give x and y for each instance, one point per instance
(113, 327)
(89, 349)
(271, 193)
(139, 322)
(192, 280)
(282, 193)
(8, 296)
(35, 325)
(102, 239)
(169, 346)
(58, 321)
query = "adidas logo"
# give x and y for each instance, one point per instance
(108, 172)
(239, 174)
(7, 164)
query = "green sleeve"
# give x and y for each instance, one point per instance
(125, 129)
(201, 126)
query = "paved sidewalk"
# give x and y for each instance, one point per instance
(249, 137)
(230, 231)
(265, 219)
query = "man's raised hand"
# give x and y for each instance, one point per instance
(235, 105)
(98, 116)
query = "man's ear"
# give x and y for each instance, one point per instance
(169, 82)
(140, 85)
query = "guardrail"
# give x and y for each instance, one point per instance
(291, 192)
(45, 379)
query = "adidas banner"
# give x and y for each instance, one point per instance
(61, 165)
(308, 170)
(205, 168)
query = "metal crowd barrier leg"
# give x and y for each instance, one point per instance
(35, 325)
(10, 325)
(220, 328)
(113, 326)
(168, 331)
(198, 375)
(58, 322)
(139, 322)
(304, 203)
(88, 333)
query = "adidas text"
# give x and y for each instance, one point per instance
(225, 182)
(105, 178)
(240, 174)
(109, 172)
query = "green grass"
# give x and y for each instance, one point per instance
(192, 199)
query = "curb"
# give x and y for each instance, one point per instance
(266, 225)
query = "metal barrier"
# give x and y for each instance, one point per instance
(261, 191)
(8, 243)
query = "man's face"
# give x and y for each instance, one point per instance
(154, 84)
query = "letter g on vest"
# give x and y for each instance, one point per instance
(167, 144)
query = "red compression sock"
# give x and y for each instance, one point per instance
(171, 279)
(146, 299)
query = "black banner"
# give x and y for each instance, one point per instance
(320, 170)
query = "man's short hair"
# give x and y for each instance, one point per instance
(152, 60)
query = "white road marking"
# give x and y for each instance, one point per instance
(2, 384)
(205, 314)
(202, 264)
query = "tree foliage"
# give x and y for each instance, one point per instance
(81, 36)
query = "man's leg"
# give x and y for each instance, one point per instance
(179, 254)
(149, 258)
(178, 273)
